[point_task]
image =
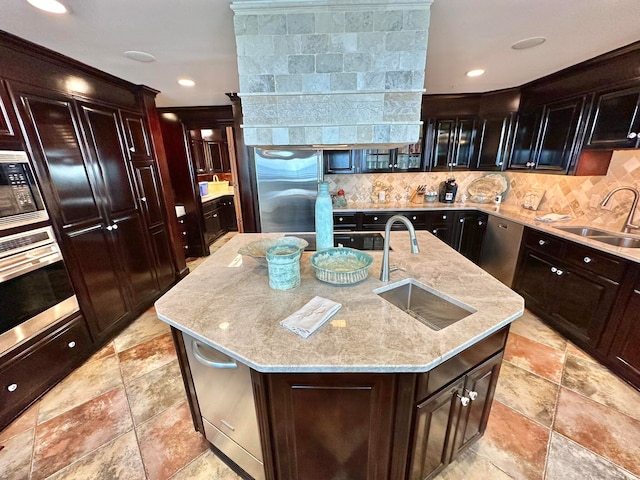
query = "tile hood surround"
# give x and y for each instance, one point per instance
(326, 73)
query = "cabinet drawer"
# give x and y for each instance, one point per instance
(433, 380)
(418, 219)
(39, 366)
(346, 221)
(597, 262)
(544, 243)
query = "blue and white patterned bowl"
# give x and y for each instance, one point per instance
(341, 265)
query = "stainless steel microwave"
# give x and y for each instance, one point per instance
(20, 199)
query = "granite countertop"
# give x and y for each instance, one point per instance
(513, 213)
(213, 196)
(229, 305)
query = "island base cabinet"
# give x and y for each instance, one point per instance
(329, 426)
(449, 421)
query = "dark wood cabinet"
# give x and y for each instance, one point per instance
(9, 132)
(450, 144)
(210, 151)
(573, 291)
(341, 161)
(494, 141)
(615, 122)
(470, 227)
(331, 425)
(228, 211)
(549, 138)
(623, 353)
(213, 224)
(35, 366)
(449, 421)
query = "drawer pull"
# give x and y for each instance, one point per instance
(554, 269)
(559, 272)
(472, 395)
(375, 218)
(541, 242)
(12, 387)
(587, 260)
(444, 217)
(463, 400)
(195, 346)
(340, 219)
(414, 217)
(71, 344)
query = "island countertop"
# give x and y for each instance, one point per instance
(227, 303)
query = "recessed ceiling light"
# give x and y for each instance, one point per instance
(528, 43)
(186, 82)
(139, 56)
(51, 6)
(475, 73)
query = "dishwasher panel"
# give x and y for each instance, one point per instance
(225, 396)
(500, 248)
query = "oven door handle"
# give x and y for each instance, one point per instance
(28, 266)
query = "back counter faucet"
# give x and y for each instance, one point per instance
(628, 224)
(384, 273)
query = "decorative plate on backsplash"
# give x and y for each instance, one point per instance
(485, 188)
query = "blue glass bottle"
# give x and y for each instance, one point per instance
(324, 218)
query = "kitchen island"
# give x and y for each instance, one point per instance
(373, 393)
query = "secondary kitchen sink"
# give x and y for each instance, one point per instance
(603, 236)
(433, 310)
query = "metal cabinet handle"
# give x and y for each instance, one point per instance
(463, 400)
(195, 347)
(461, 220)
(632, 135)
(132, 149)
(340, 219)
(471, 394)
(414, 218)
(115, 226)
(390, 165)
(375, 218)
(444, 217)
(71, 344)
(435, 231)
(587, 260)
(480, 223)
(143, 199)
(109, 227)
(541, 242)
(12, 387)
(559, 272)
(554, 269)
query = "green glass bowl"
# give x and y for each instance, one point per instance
(341, 265)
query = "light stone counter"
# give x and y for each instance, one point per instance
(514, 213)
(213, 196)
(231, 308)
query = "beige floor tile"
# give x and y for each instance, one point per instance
(470, 465)
(147, 356)
(87, 382)
(119, 459)
(144, 328)
(207, 466)
(533, 328)
(24, 422)
(15, 457)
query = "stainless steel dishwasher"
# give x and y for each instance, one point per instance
(500, 248)
(225, 396)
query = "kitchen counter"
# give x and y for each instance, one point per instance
(227, 304)
(213, 196)
(510, 212)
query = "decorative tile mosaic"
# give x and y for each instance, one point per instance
(576, 196)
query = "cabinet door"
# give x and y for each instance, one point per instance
(149, 194)
(493, 143)
(581, 303)
(434, 428)
(198, 155)
(559, 131)
(616, 120)
(469, 234)
(444, 135)
(441, 225)
(101, 295)
(340, 161)
(312, 439)
(53, 134)
(625, 349)
(9, 134)
(138, 144)
(463, 150)
(534, 280)
(526, 138)
(479, 387)
(110, 161)
(377, 160)
(218, 156)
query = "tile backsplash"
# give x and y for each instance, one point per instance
(575, 196)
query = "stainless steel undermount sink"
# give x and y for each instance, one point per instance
(604, 236)
(433, 310)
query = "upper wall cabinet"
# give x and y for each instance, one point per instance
(9, 135)
(451, 143)
(549, 137)
(616, 120)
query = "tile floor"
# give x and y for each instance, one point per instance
(557, 414)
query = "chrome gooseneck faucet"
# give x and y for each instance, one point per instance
(384, 273)
(628, 224)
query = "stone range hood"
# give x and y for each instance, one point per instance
(331, 73)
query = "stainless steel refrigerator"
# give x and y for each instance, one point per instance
(287, 187)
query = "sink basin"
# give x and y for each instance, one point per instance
(620, 241)
(433, 310)
(603, 236)
(585, 231)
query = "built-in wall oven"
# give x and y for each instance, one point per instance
(20, 200)
(35, 289)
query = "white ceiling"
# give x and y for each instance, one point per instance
(194, 39)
